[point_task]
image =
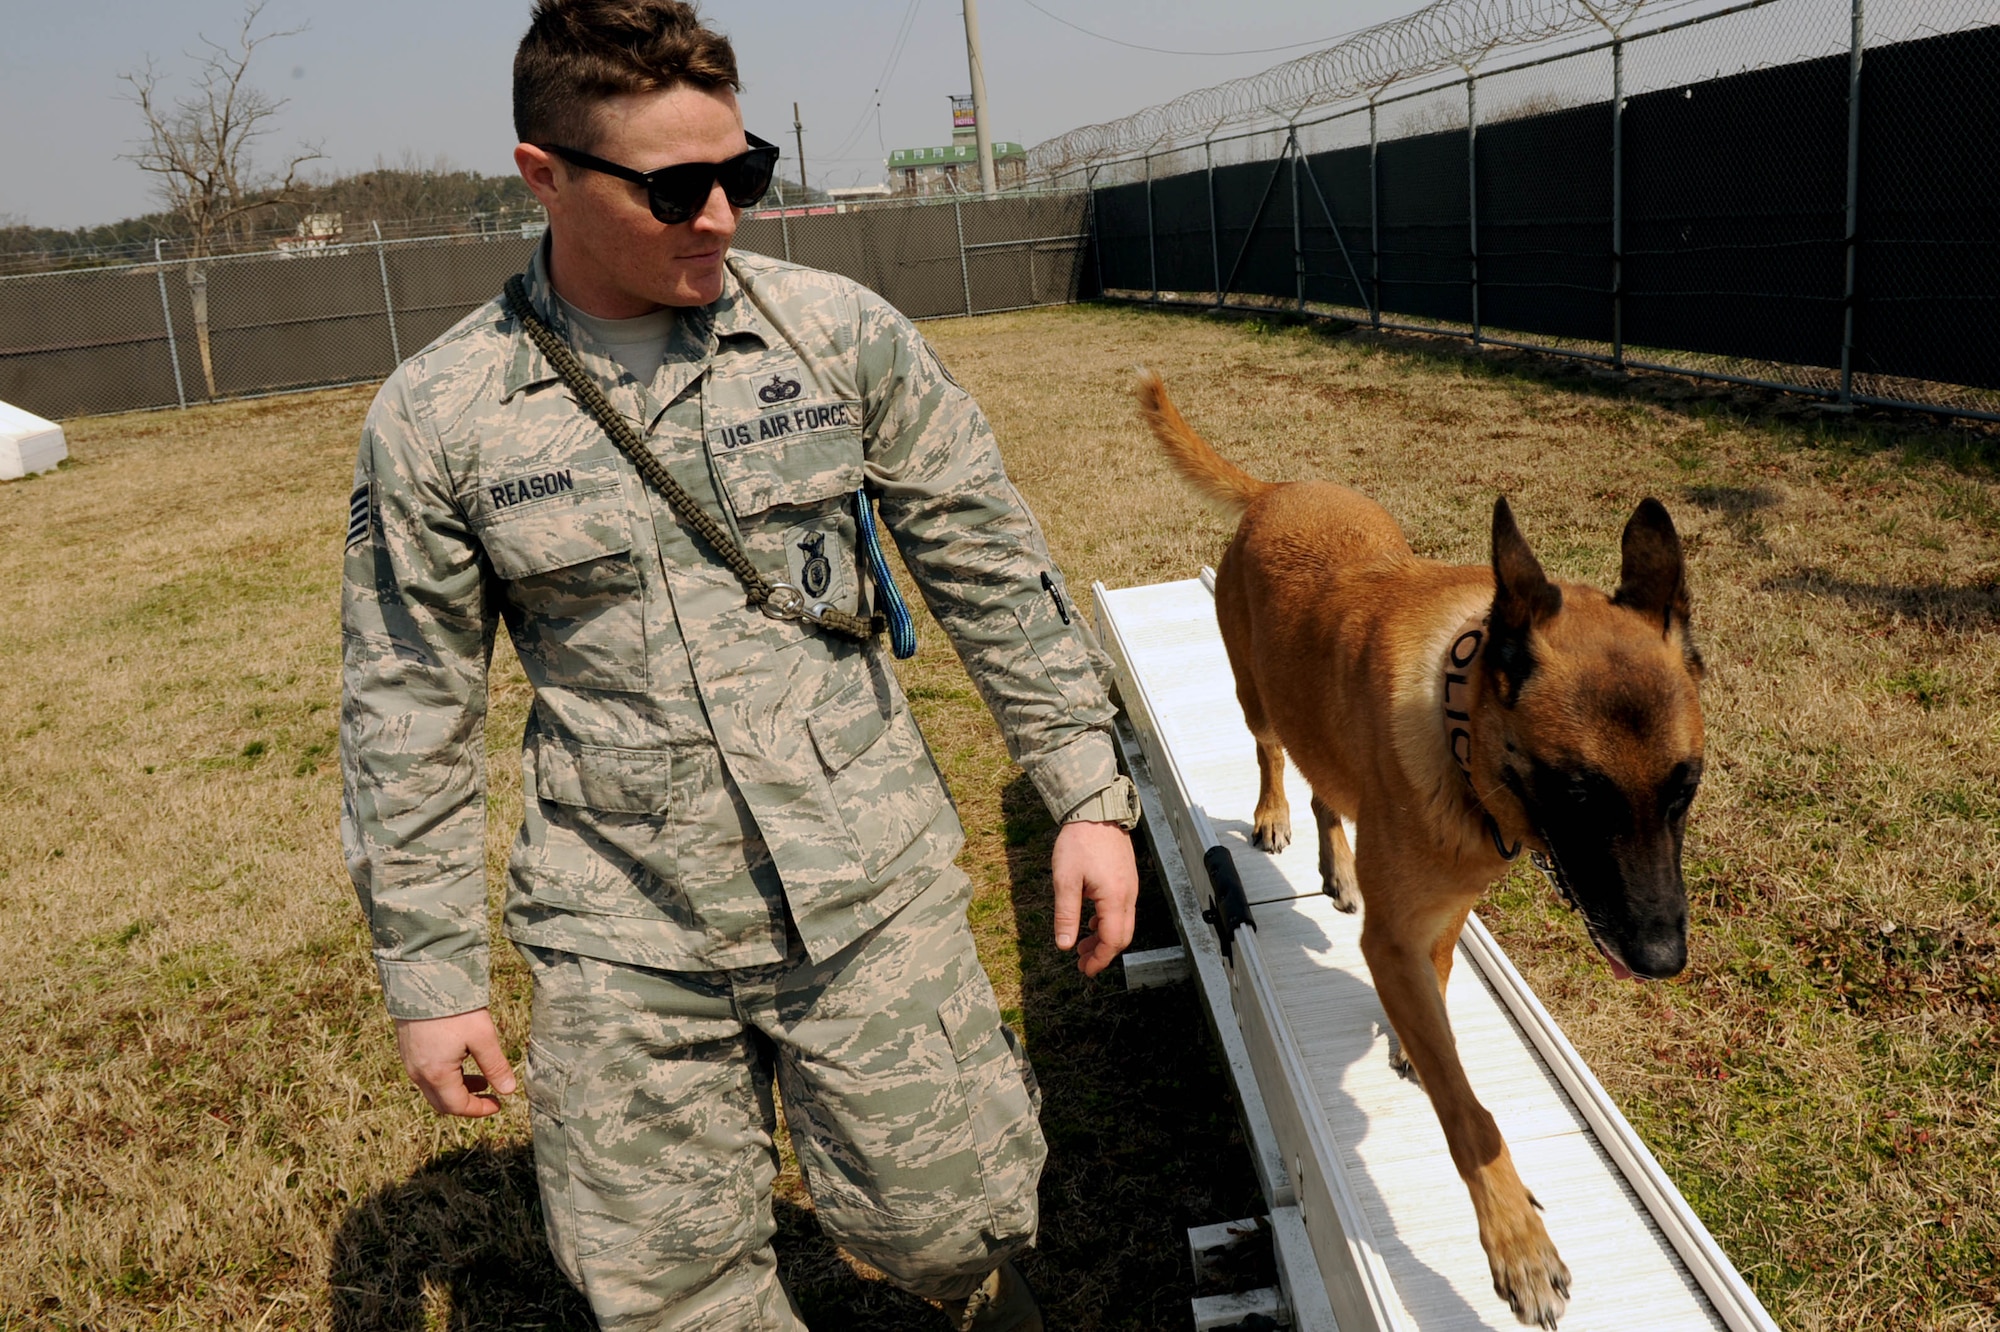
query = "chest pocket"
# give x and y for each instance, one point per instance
(802, 470)
(569, 572)
(794, 504)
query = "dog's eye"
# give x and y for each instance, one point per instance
(1679, 793)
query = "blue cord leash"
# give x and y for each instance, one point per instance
(902, 629)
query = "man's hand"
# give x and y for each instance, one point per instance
(1094, 860)
(434, 1051)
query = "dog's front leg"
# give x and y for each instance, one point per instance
(1527, 1272)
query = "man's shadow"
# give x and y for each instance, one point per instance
(462, 1234)
(1143, 1138)
(460, 1245)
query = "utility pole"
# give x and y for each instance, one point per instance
(799, 131)
(989, 185)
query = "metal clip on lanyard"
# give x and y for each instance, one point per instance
(780, 601)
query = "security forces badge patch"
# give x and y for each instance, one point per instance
(816, 571)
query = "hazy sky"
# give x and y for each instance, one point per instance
(374, 79)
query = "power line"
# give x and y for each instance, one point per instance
(896, 49)
(1162, 50)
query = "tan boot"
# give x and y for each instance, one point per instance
(1004, 1302)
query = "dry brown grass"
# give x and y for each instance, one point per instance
(202, 1119)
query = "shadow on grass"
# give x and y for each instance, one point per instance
(1935, 606)
(1969, 445)
(1143, 1139)
(463, 1233)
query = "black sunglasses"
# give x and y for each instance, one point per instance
(676, 193)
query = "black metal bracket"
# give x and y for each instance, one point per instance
(1229, 908)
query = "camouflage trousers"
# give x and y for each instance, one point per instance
(909, 1102)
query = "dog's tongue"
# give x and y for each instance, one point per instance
(1619, 971)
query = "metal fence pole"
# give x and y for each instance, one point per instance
(1152, 249)
(1096, 227)
(964, 263)
(1298, 235)
(388, 306)
(1618, 205)
(167, 313)
(1472, 189)
(1853, 196)
(1374, 220)
(1214, 232)
(784, 222)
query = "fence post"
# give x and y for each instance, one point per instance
(784, 221)
(167, 313)
(388, 305)
(964, 264)
(1214, 233)
(1374, 220)
(1853, 197)
(1298, 234)
(1618, 205)
(1472, 189)
(1096, 228)
(1152, 252)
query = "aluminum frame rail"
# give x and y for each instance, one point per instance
(1342, 1277)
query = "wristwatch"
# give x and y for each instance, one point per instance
(1117, 803)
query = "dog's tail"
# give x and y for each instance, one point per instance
(1219, 480)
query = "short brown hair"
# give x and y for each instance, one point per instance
(578, 53)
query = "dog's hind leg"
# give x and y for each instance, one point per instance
(1274, 812)
(1336, 858)
(1400, 947)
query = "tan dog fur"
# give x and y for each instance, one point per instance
(1338, 636)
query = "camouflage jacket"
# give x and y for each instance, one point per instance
(696, 772)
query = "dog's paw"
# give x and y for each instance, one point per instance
(1531, 1276)
(1400, 1062)
(1273, 833)
(1346, 897)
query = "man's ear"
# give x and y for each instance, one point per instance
(1523, 597)
(1653, 578)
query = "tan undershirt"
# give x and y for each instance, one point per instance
(638, 345)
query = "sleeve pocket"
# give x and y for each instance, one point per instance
(1059, 649)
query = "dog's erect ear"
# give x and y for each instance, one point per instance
(1653, 580)
(1523, 597)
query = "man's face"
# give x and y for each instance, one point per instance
(611, 256)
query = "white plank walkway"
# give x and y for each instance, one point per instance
(1388, 1218)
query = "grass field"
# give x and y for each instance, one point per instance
(201, 1115)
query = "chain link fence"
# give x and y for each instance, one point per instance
(85, 341)
(1799, 194)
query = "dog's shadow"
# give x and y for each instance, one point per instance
(1361, 1033)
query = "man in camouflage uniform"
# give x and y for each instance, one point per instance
(736, 859)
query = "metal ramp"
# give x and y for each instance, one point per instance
(1371, 1225)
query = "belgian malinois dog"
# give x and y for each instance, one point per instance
(1458, 714)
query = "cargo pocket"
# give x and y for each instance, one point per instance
(568, 567)
(1002, 1102)
(878, 768)
(548, 1085)
(622, 803)
(604, 778)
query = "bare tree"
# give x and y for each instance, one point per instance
(199, 147)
